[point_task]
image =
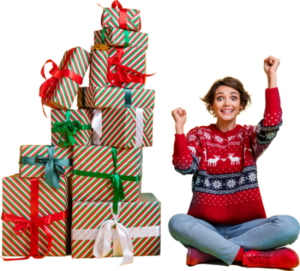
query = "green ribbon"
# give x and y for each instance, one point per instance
(126, 34)
(53, 167)
(116, 180)
(127, 98)
(68, 130)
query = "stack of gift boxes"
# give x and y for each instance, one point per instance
(84, 191)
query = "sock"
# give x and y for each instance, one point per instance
(239, 255)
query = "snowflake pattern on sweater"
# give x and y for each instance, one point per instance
(224, 184)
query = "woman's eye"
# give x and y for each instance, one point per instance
(234, 98)
(222, 97)
(219, 98)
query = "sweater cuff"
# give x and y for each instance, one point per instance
(180, 145)
(272, 100)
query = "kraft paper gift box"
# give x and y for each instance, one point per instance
(70, 128)
(50, 162)
(106, 174)
(139, 224)
(115, 97)
(122, 127)
(114, 37)
(120, 67)
(33, 214)
(59, 91)
(119, 17)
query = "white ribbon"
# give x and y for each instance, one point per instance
(122, 243)
(139, 131)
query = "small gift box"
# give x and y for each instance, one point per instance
(50, 162)
(114, 37)
(70, 128)
(122, 127)
(120, 67)
(138, 225)
(106, 174)
(59, 91)
(119, 17)
(35, 218)
(115, 97)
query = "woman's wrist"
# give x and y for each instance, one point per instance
(272, 80)
(179, 129)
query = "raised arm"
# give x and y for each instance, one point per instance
(268, 127)
(187, 150)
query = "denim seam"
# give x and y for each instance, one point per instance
(233, 255)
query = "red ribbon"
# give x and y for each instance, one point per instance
(121, 75)
(47, 88)
(22, 224)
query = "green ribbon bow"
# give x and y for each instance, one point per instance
(68, 130)
(125, 33)
(116, 180)
(53, 167)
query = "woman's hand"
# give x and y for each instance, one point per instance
(270, 66)
(179, 116)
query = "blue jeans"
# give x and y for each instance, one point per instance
(224, 241)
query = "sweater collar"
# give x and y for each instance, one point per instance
(231, 132)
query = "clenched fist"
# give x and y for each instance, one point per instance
(271, 64)
(179, 116)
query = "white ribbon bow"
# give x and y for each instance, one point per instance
(139, 131)
(122, 243)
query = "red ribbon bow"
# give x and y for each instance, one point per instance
(47, 88)
(22, 224)
(121, 75)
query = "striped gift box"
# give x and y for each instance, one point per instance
(96, 159)
(17, 201)
(141, 219)
(122, 127)
(38, 171)
(66, 89)
(121, 38)
(82, 137)
(115, 97)
(133, 57)
(111, 19)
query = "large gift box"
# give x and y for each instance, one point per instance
(33, 215)
(60, 90)
(115, 97)
(138, 222)
(122, 127)
(49, 162)
(121, 38)
(106, 174)
(70, 127)
(120, 67)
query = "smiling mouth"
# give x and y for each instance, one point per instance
(227, 111)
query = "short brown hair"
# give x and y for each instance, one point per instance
(208, 99)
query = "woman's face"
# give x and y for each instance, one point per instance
(227, 103)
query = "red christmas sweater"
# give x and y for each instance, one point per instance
(225, 187)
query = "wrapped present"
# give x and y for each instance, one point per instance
(114, 97)
(35, 218)
(138, 225)
(121, 38)
(120, 67)
(119, 17)
(122, 127)
(48, 162)
(59, 91)
(70, 127)
(106, 174)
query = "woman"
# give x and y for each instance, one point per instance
(226, 219)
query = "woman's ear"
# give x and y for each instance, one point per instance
(211, 107)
